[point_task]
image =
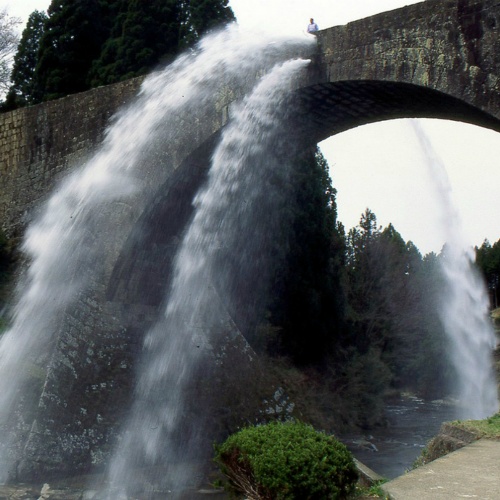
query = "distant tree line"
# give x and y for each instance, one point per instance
(80, 45)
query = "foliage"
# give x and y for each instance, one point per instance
(8, 43)
(488, 261)
(83, 44)
(391, 293)
(73, 35)
(143, 33)
(374, 491)
(286, 461)
(309, 302)
(489, 427)
(22, 91)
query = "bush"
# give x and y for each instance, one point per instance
(286, 461)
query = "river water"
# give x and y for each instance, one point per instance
(411, 423)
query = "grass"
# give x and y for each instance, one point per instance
(374, 491)
(488, 428)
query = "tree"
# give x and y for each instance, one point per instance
(8, 43)
(144, 33)
(201, 16)
(22, 90)
(98, 42)
(488, 261)
(72, 39)
(148, 33)
(392, 294)
(309, 300)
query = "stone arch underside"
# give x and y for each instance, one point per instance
(332, 108)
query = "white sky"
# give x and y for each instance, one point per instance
(380, 166)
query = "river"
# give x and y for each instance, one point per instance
(411, 423)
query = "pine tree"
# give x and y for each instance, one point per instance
(488, 261)
(96, 42)
(149, 33)
(72, 39)
(309, 300)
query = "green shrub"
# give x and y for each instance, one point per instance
(286, 461)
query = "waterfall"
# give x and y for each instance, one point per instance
(240, 203)
(464, 306)
(68, 245)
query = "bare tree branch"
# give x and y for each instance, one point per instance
(9, 39)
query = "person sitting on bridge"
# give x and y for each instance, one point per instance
(312, 26)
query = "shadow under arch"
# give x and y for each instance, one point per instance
(332, 108)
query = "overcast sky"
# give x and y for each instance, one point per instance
(380, 166)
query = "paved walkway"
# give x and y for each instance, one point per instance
(471, 472)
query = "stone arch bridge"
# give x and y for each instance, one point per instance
(438, 58)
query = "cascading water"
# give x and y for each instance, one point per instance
(238, 195)
(69, 248)
(464, 308)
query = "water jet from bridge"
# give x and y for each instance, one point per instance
(464, 306)
(68, 244)
(243, 201)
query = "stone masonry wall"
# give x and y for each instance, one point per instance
(39, 144)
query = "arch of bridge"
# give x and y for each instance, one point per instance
(435, 59)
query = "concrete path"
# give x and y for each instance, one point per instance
(471, 472)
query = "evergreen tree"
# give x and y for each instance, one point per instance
(201, 16)
(96, 42)
(22, 90)
(392, 293)
(148, 33)
(73, 37)
(309, 302)
(144, 33)
(488, 261)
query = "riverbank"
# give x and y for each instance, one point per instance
(470, 472)
(411, 423)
